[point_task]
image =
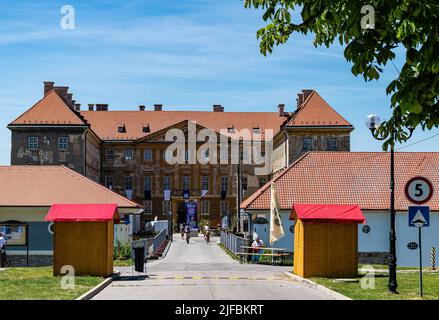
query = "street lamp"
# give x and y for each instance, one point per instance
(373, 122)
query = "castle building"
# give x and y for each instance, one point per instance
(127, 150)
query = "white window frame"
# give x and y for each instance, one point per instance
(63, 143)
(33, 143)
(204, 207)
(204, 183)
(167, 206)
(165, 182)
(148, 155)
(126, 154)
(148, 206)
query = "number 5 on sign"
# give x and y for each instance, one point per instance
(419, 190)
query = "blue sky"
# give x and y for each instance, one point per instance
(186, 55)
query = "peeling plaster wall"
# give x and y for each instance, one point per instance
(48, 152)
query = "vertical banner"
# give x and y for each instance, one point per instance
(191, 214)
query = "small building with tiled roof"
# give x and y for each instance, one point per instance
(125, 149)
(360, 178)
(27, 194)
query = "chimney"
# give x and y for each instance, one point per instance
(91, 107)
(299, 100)
(77, 106)
(62, 92)
(218, 108)
(142, 108)
(48, 85)
(306, 93)
(101, 107)
(281, 108)
(158, 107)
(69, 98)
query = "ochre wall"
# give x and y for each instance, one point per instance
(326, 250)
(87, 246)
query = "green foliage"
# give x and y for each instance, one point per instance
(411, 25)
(122, 251)
(204, 222)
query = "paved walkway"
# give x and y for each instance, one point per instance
(203, 271)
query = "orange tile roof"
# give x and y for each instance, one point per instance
(315, 111)
(51, 110)
(348, 178)
(53, 184)
(105, 123)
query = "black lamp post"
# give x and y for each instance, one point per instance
(373, 122)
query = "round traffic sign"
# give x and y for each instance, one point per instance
(418, 190)
(412, 245)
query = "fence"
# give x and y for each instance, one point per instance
(233, 243)
(158, 239)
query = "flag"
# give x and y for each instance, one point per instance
(276, 228)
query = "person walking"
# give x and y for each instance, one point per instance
(256, 245)
(207, 233)
(182, 230)
(3, 243)
(187, 230)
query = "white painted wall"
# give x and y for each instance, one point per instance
(377, 240)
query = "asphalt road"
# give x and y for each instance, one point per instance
(203, 271)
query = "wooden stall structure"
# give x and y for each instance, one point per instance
(326, 240)
(83, 238)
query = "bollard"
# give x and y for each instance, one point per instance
(433, 258)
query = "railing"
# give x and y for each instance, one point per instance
(232, 242)
(158, 239)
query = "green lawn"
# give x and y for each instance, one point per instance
(123, 263)
(39, 284)
(408, 287)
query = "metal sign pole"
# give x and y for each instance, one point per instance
(420, 262)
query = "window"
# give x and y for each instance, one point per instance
(256, 130)
(147, 183)
(148, 206)
(204, 207)
(32, 143)
(244, 183)
(224, 183)
(121, 129)
(167, 207)
(262, 181)
(63, 143)
(205, 183)
(230, 130)
(224, 207)
(109, 154)
(109, 182)
(147, 154)
(187, 155)
(186, 183)
(128, 183)
(167, 183)
(129, 154)
(331, 144)
(307, 144)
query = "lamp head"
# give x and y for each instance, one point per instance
(373, 121)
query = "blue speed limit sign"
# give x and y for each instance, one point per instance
(419, 190)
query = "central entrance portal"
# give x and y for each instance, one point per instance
(187, 213)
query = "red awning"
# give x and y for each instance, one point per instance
(82, 212)
(327, 213)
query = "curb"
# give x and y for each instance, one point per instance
(101, 286)
(318, 287)
(165, 252)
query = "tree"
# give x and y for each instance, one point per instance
(371, 31)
